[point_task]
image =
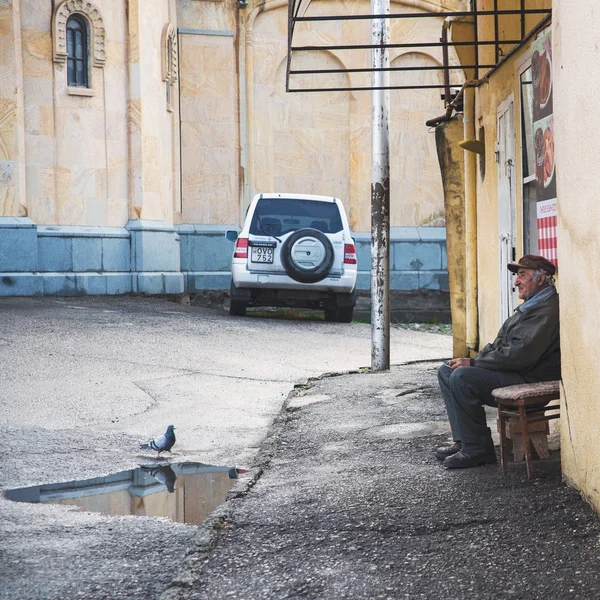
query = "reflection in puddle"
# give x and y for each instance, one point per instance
(183, 492)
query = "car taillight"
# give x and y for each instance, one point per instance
(241, 248)
(349, 254)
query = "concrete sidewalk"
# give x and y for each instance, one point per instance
(347, 500)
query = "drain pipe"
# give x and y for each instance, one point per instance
(470, 224)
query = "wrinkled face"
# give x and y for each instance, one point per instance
(527, 283)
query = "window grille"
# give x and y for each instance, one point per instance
(77, 52)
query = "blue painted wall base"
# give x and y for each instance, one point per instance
(51, 260)
(151, 257)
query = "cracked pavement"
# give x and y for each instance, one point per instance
(343, 497)
(348, 501)
(84, 380)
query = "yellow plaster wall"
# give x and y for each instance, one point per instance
(509, 26)
(301, 141)
(156, 121)
(209, 129)
(489, 95)
(86, 158)
(114, 155)
(576, 57)
(75, 146)
(38, 92)
(210, 146)
(452, 165)
(207, 15)
(114, 80)
(13, 200)
(321, 142)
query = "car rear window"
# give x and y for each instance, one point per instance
(278, 216)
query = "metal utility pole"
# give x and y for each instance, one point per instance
(380, 189)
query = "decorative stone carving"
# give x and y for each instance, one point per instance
(169, 54)
(97, 31)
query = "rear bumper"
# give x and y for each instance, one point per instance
(242, 278)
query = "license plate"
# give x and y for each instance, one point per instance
(262, 254)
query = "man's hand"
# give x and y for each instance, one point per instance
(459, 362)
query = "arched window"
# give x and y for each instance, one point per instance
(77, 52)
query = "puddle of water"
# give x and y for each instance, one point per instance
(183, 492)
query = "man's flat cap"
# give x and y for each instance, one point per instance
(533, 261)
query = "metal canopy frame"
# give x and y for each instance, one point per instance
(295, 7)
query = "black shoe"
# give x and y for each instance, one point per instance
(460, 460)
(444, 452)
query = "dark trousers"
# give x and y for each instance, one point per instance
(465, 391)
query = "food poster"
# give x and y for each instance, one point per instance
(543, 139)
(541, 67)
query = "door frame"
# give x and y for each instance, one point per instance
(507, 201)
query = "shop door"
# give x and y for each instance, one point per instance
(505, 157)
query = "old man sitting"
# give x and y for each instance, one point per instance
(526, 349)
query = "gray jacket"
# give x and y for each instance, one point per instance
(528, 342)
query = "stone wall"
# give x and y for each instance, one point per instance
(129, 183)
(151, 257)
(320, 142)
(61, 260)
(578, 49)
(95, 155)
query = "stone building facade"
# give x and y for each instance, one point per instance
(133, 133)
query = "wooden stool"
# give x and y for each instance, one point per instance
(538, 436)
(522, 411)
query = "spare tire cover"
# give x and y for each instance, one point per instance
(307, 255)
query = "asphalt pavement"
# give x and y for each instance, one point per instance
(342, 498)
(347, 500)
(84, 380)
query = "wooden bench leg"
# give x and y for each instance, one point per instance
(526, 442)
(503, 440)
(539, 439)
(517, 449)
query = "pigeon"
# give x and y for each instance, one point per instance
(164, 475)
(162, 443)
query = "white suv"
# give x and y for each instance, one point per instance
(294, 250)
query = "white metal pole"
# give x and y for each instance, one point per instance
(380, 190)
